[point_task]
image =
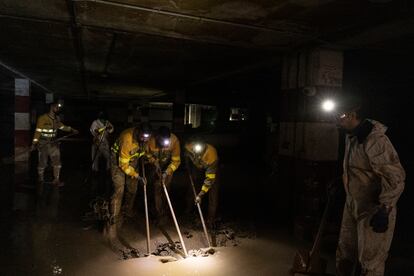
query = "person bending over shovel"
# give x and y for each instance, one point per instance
(202, 163)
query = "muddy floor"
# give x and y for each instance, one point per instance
(49, 235)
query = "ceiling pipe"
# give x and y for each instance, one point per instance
(24, 76)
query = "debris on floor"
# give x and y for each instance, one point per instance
(202, 252)
(99, 210)
(226, 234)
(130, 253)
(168, 260)
(187, 234)
(197, 253)
(167, 249)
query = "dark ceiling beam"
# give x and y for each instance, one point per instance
(34, 19)
(18, 73)
(165, 34)
(109, 54)
(199, 18)
(172, 35)
(76, 30)
(245, 69)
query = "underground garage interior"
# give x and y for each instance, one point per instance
(206, 137)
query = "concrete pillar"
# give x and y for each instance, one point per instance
(308, 140)
(179, 111)
(22, 142)
(22, 131)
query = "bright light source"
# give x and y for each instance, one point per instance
(198, 148)
(328, 105)
(146, 135)
(59, 105)
(166, 142)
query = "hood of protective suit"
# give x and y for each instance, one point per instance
(366, 128)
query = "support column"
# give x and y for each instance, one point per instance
(22, 132)
(22, 140)
(308, 140)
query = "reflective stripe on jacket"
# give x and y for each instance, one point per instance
(47, 127)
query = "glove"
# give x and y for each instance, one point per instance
(379, 221)
(164, 176)
(33, 147)
(199, 197)
(75, 131)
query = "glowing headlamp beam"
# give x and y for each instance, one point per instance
(328, 105)
(166, 142)
(197, 148)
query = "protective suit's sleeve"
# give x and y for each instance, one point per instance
(125, 157)
(175, 158)
(386, 165)
(93, 128)
(39, 127)
(210, 176)
(211, 160)
(62, 126)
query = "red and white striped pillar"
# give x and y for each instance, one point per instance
(22, 133)
(22, 141)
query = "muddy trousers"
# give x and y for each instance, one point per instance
(161, 205)
(358, 242)
(47, 151)
(124, 186)
(101, 152)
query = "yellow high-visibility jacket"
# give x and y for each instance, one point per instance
(47, 127)
(167, 157)
(206, 160)
(128, 150)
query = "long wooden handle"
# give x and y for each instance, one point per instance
(199, 208)
(317, 242)
(175, 219)
(146, 208)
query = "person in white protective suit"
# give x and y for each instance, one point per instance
(374, 180)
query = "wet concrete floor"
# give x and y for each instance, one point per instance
(46, 236)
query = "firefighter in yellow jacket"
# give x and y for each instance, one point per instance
(164, 154)
(47, 127)
(202, 163)
(126, 151)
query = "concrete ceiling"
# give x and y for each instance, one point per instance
(84, 48)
